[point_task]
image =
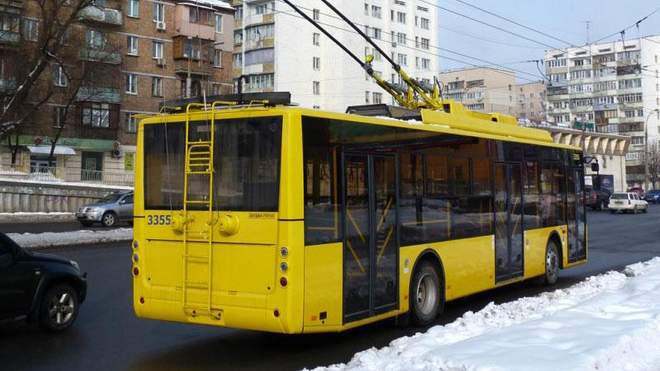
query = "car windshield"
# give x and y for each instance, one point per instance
(113, 197)
(620, 196)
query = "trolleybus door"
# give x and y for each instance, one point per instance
(576, 215)
(371, 241)
(508, 221)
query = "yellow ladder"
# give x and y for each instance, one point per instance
(198, 163)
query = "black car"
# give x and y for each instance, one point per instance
(597, 199)
(39, 287)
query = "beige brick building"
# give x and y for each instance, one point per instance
(482, 89)
(530, 101)
(123, 57)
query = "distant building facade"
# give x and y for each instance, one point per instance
(611, 87)
(530, 101)
(133, 54)
(275, 49)
(482, 89)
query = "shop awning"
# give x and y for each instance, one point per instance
(45, 150)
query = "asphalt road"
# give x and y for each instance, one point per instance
(107, 336)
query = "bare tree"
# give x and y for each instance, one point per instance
(652, 163)
(56, 18)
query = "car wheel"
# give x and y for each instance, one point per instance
(645, 210)
(551, 264)
(612, 211)
(426, 295)
(635, 210)
(86, 223)
(602, 206)
(109, 219)
(58, 308)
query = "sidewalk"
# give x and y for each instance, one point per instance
(27, 217)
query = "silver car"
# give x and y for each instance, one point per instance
(108, 211)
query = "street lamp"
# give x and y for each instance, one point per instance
(646, 146)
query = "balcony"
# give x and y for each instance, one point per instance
(182, 67)
(605, 106)
(7, 85)
(9, 37)
(97, 55)
(110, 17)
(98, 94)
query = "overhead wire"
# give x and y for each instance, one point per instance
(489, 63)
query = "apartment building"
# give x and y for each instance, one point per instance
(482, 89)
(122, 58)
(613, 87)
(530, 101)
(275, 49)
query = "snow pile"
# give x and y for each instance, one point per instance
(607, 322)
(50, 239)
(36, 217)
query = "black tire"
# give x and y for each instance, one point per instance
(86, 223)
(645, 210)
(602, 205)
(109, 219)
(427, 297)
(635, 211)
(612, 211)
(551, 263)
(58, 308)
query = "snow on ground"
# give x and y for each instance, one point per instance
(36, 217)
(607, 322)
(49, 239)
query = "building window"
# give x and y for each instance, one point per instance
(316, 39)
(9, 23)
(425, 44)
(424, 23)
(131, 83)
(157, 49)
(96, 115)
(159, 13)
(215, 89)
(134, 8)
(401, 38)
(403, 59)
(401, 17)
(132, 45)
(316, 14)
(426, 64)
(131, 123)
(59, 116)
(30, 29)
(367, 95)
(156, 86)
(316, 63)
(95, 39)
(316, 87)
(191, 49)
(261, 9)
(218, 23)
(378, 98)
(376, 33)
(59, 76)
(376, 11)
(199, 16)
(637, 140)
(366, 9)
(217, 58)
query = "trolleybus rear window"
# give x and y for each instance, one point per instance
(246, 160)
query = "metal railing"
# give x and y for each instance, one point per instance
(64, 175)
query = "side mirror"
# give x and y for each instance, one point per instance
(595, 167)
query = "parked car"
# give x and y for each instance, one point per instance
(597, 199)
(108, 211)
(638, 190)
(627, 201)
(39, 287)
(652, 196)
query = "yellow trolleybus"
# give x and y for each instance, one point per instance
(291, 220)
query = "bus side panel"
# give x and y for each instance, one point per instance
(469, 266)
(323, 286)
(536, 241)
